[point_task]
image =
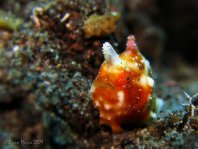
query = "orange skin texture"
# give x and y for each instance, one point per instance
(132, 106)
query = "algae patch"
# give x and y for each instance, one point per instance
(100, 25)
(9, 21)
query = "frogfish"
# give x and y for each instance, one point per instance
(122, 91)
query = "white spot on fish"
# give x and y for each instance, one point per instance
(120, 97)
(150, 81)
(107, 106)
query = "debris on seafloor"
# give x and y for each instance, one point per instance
(100, 25)
(122, 91)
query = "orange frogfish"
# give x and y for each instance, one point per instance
(122, 91)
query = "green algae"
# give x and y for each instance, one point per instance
(101, 25)
(9, 21)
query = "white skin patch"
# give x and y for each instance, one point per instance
(144, 80)
(150, 81)
(147, 64)
(120, 97)
(107, 106)
(93, 88)
(97, 103)
(134, 66)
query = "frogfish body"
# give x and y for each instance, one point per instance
(123, 88)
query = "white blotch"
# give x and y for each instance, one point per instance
(142, 60)
(147, 64)
(143, 80)
(97, 103)
(120, 97)
(107, 106)
(150, 81)
(134, 66)
(92, 89)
